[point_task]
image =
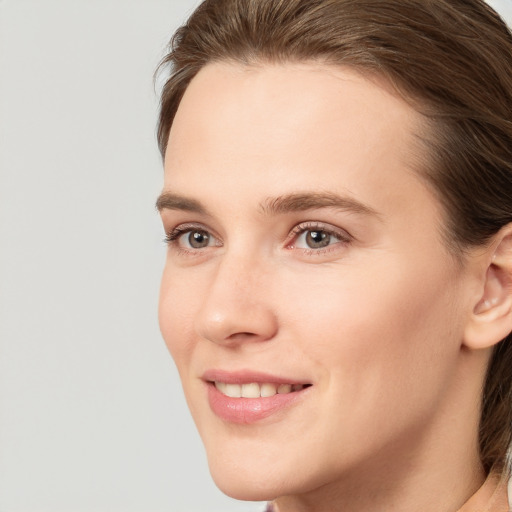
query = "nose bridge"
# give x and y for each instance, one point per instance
(235, 307)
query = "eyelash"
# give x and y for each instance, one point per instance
(172, 238)
(343, 237)
(173, 235)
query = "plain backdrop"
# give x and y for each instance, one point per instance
(91, 412)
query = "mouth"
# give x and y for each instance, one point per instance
(257, 390)
(250, 397)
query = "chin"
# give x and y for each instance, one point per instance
(248, 471)
(249, 464)
(258, 474)
(242, 483)
(246, 490)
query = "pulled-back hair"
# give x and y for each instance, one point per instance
(451, 59)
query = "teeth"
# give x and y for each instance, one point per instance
(255, 390)
(268, 390)
(284, 388)
(250, 390)
(221, 386)
(233, 390)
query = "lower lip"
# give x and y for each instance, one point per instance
(249, 410)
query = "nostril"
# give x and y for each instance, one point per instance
(242, 335)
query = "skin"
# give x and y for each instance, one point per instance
(375, 321)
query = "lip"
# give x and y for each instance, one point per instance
(247, 376)
(249, 410)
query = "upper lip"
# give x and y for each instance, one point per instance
(247, 377)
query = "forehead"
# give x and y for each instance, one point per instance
(293, 127)
(284, 107)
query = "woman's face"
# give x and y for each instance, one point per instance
(306, 272)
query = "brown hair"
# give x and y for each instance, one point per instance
(452, 58)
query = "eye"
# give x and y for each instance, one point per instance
(191, 238)
(196, 239)
(314, 237)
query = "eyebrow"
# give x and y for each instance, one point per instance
(170, 201)
(288, 203)
(312, 201)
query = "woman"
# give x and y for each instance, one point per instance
(338, 288)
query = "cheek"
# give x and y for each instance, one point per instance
(383, 348)
(378, 329)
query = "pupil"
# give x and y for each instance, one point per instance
(198, 239)
(316, 239)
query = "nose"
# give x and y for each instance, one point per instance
(236, 307)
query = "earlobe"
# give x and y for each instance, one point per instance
(491, 319)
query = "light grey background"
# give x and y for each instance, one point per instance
(91, 412)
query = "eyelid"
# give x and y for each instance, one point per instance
(344, 237)
(341, 234)
(172, 236)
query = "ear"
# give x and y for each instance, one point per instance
(491, 319)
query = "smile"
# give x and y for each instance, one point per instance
(256, 390)
(249, 402)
